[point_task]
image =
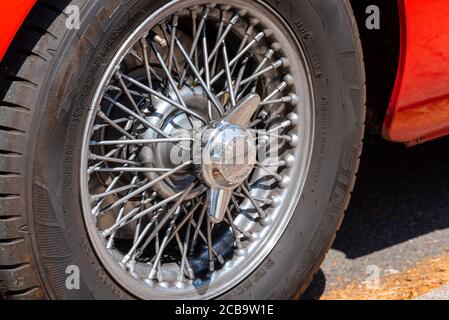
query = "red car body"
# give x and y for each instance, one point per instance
(419, 106)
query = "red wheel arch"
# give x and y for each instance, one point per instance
(12, 15)
(419, 107)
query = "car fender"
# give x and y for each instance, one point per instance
(12, 15)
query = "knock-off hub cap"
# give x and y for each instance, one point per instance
(228, 155)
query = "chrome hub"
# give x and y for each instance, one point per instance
(175, 124)
(228, 156)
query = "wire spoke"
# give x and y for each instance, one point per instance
(168, 73)
(196, 38)
(209, 94)
(254, 203)
(165, 98)
(197, 228)
(109, 154)
(137, 214)
(150, 184)
(228, 75)
(275, 65)
(95, 157)
(131, 169)
(97, 207)
(248, 47)
(207, 75)
(230, 221)
(127, 93)
(220, 40)
(139, 141)
(210, 246)
(172, 41)
(114, 191)
(146, 61)
(135, 115)
(114, 125)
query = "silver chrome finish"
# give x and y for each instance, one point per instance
(183, 195)
(217, 203)
(241, 115)
(228, 156)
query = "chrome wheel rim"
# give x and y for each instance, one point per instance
(151, 219)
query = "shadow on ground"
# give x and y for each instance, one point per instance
(401, 193)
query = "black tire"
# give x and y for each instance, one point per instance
(46, 78)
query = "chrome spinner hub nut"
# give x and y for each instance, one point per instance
(228, 155)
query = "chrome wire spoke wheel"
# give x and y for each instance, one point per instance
(171, 211)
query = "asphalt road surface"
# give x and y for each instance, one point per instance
(394, 242)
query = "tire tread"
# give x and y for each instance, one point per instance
(22, 70)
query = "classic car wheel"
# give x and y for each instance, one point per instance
(115, 143)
